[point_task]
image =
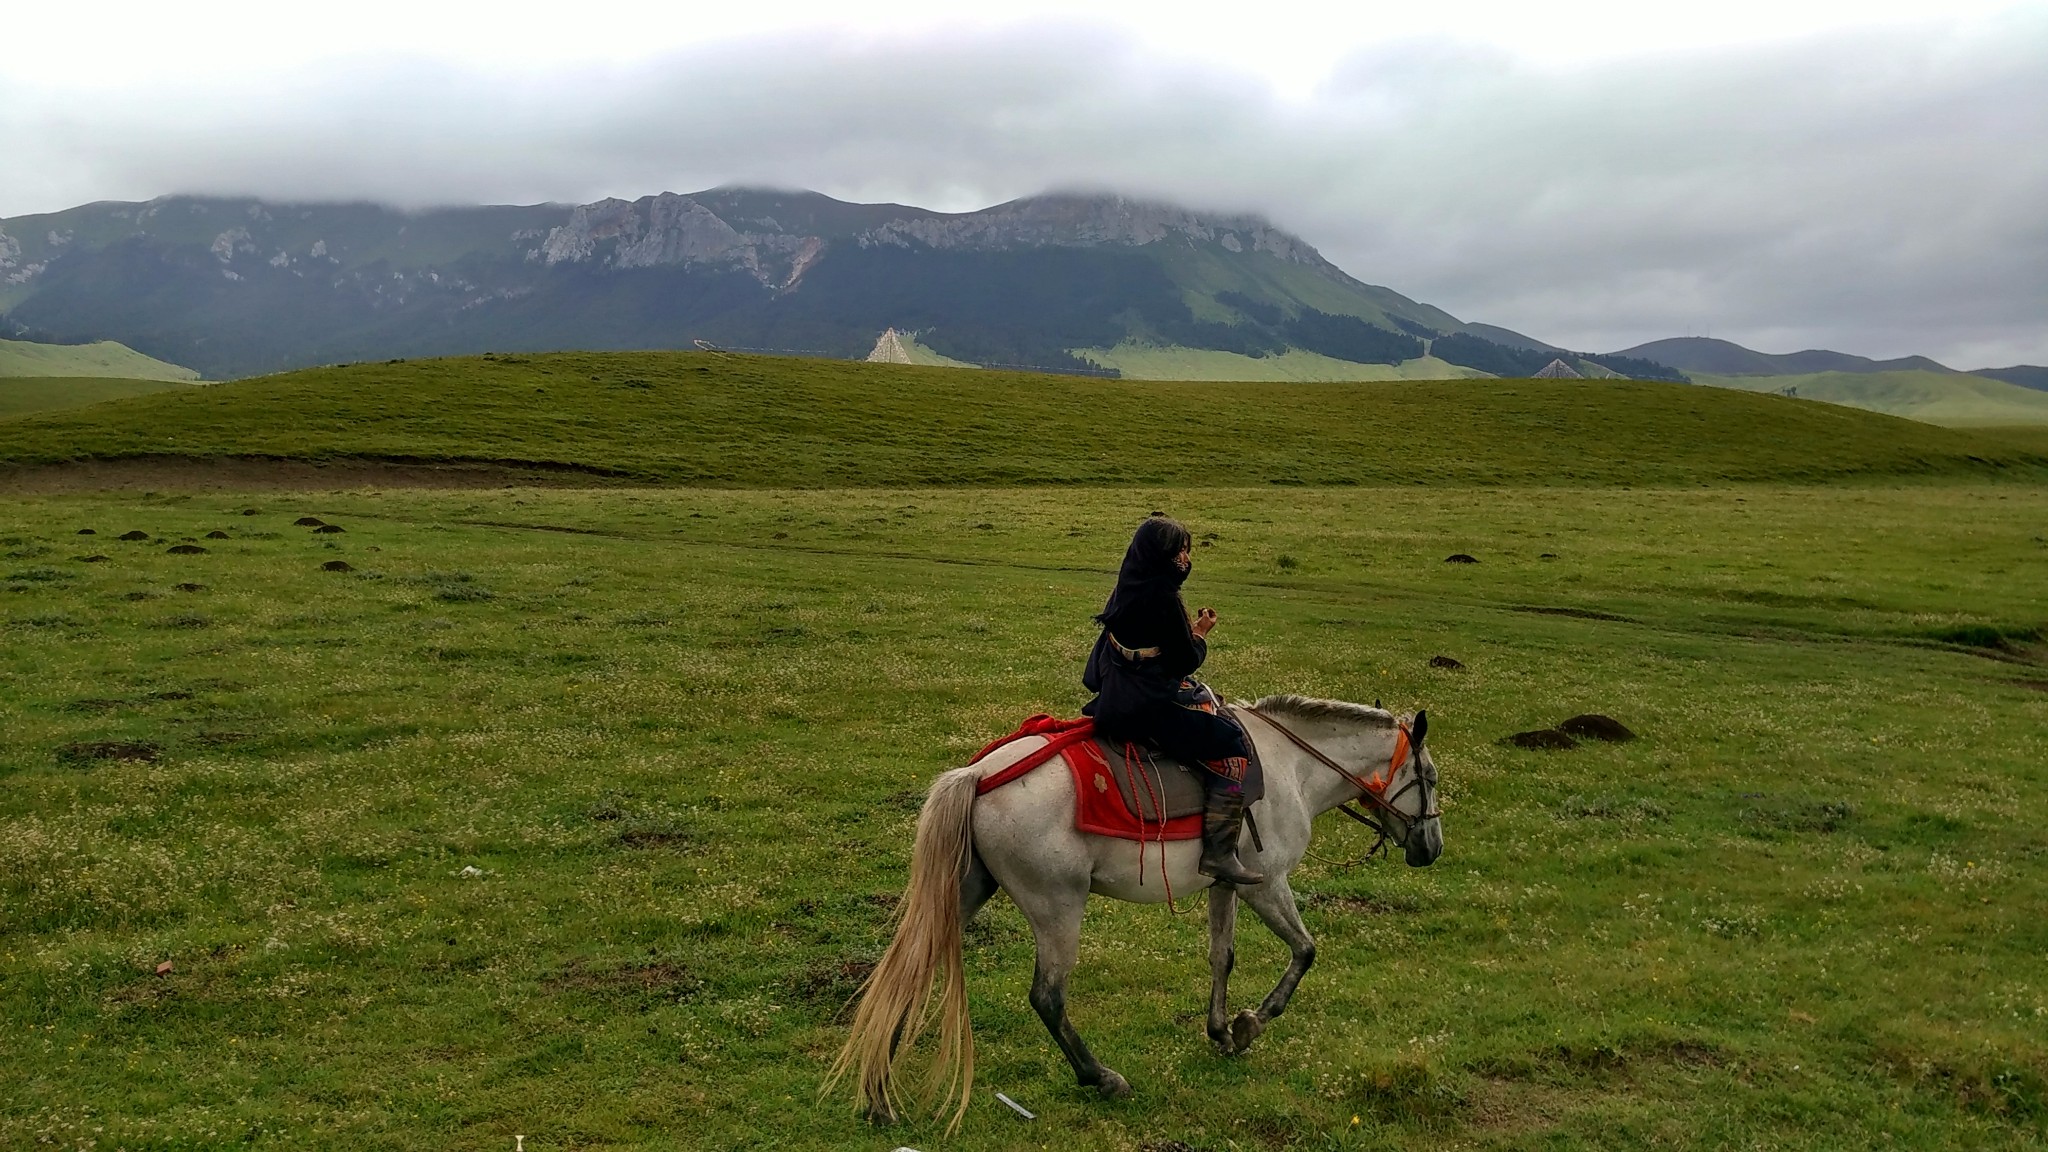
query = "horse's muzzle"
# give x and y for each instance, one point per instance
(1425, 843)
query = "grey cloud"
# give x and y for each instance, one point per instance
(1877, 193)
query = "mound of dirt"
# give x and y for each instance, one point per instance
(190, 587)
(328, 529)
(1541, 740)
(87, 532)
(1445, 662)
(248, 512)
(1594, 726)
(87, 751)
(135, 535)
(93, 559)
(217, 534)
(185, 550)
(1461, 558)
(337, 566)
(308, 522)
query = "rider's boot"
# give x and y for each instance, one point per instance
(1222, 820)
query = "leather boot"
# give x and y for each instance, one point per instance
(1222, 820)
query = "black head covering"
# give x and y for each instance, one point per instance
(1149, 571)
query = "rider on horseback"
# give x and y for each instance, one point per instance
(1141, 672)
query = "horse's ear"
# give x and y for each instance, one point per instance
(1420, 728)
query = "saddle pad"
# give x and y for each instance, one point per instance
(1102, 805)
(1150, 781)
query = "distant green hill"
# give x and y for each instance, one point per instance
(1952, 398)
(2025, 375)
(104, 360)
(21, 395)
(1696, 355)
(729, 420)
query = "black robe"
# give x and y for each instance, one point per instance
(1137, 699)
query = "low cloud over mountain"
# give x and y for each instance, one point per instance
(1877, 192)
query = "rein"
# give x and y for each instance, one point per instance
(1372, 790)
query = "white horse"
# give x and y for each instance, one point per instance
(1020, 837)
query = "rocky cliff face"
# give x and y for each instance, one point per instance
(1089, 221)
(672, 229)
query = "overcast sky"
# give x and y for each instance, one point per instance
(1869, 176)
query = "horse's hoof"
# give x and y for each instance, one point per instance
(1112, 1086)
(1219, 1039)
(881, 1115)
(1245, 1028)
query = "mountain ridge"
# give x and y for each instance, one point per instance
(1706, 354)
(234, 286)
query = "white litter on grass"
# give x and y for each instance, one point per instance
(1019, 1109)
(469, 872)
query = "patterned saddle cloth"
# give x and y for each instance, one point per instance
(1131, 792)
(1154, 786)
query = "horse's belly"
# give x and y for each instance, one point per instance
(1166, 866)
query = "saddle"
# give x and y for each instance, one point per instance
(1155, 787)
(1121, 790)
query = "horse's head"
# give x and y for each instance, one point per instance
(1382, 760)
(1411, 795)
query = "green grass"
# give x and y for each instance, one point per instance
(2032, 438)
(21, 395)
(1937, 398)
(1146, 362)
(696, 418)
(680, 735)
(104, 360)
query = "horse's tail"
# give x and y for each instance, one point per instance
(896, 1001)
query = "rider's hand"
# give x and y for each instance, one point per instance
(1204, 620)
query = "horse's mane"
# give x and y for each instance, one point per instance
(1309, 708)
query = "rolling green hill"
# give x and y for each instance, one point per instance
(22, 395)
(728, 420)
(104, 360)
(1952, 398)
(1703, 354)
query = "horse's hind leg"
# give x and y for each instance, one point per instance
(1055, 917)
(1222, 958)
(976, 888)
(1273, 902)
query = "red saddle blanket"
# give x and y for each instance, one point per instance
(1099, 805)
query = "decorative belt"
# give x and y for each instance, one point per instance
(1133, 654)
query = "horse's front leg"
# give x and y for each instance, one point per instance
(1273, 903)
(1222, 958)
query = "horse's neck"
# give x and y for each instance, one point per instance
(1362, 750)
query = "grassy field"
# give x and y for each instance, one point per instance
(1953, 399)
(21, 395)
(738, 421)
(576, 815)
(104, 360)
(2028, 438)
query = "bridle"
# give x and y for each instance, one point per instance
(1373, 790)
